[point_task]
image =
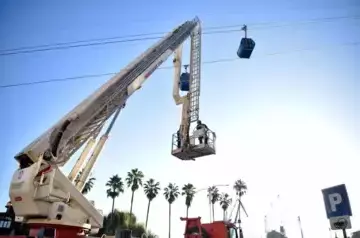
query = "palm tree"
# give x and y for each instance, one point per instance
(214, 196)
(151, 189)
(134, 181)
(189, 192)
(171, 193)
(115, 187)
(240, 188)
(225, 202)
(88, 186)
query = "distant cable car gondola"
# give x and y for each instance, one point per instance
(246, 47)
(185, 80)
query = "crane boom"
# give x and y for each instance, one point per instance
(87, 119)
(44, 196)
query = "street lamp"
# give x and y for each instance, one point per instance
(218, 185)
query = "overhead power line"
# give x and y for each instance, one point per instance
(86, 76)
(157, 35)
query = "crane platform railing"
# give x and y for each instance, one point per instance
(197, 149)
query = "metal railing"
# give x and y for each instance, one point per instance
(209, 137)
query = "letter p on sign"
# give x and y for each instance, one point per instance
(334, 199)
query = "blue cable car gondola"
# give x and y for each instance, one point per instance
(246, 47)
(185, 81)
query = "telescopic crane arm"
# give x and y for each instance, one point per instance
(85, 120)
(43, 195)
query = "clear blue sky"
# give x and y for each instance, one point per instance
(287, 123)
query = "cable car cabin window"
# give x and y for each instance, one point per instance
(185, 82)
(246, 47)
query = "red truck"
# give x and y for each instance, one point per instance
(216, 229)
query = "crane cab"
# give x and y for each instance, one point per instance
(201, 143)
(246, 47)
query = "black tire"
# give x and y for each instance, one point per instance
(195, 230)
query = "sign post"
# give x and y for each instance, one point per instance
(337, 206)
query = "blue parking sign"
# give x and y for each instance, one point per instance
(336, 201)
